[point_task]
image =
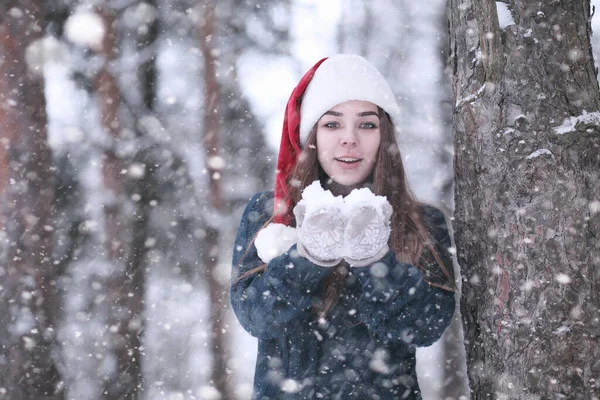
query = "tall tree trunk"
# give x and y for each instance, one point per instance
(210, 139)
(27, 274)
(527, 165)
(456, 385)
(125, 286)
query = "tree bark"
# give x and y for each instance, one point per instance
(210, 139)
(456, 385)
(28, 305)
(527, 169)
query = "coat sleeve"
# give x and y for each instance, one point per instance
(399, 303)
(274, 300)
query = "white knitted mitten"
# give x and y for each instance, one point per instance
(320, 223)
(367, 227)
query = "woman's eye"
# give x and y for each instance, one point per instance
(331, 125)
(368, 125)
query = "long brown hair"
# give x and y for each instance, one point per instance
(408, 238)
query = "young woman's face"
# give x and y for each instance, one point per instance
(348, 138)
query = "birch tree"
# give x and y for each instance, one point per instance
(527, 169)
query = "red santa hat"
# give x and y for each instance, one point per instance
(329, 82)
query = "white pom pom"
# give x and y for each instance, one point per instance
(274, 240)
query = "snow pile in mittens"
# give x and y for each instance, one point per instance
(276, 239)
(364, 198)
(315, 198)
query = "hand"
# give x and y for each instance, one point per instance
(367, 228)
(320, 223)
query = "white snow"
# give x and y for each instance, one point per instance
(290, 386)
(505, 17)
(364, 197)
(378, 362)
(314, 198)
(44, 51)
(570, 124)
(563, 278)
(216, 162)
(85, 29)
(470, 98)
(538, 153)
(594, 207)
(136, 170)
(379, 270)
(208, 393)
(562, 330)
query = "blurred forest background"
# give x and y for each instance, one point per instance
(132, 134)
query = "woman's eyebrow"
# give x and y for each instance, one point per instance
(361, 114)
(366, 113)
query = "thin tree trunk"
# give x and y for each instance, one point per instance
(28, 305)
(125, 285)
(148, 69)
(218, 298)
(527, 165)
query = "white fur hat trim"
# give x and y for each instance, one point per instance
(341, 78)
(274, 240)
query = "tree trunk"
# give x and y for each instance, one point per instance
(527, 165)
(27, 274)
(125, 286)
(456, 385)
(218, 291)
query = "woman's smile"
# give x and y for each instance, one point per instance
(348, 162)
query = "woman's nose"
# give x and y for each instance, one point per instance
(349, 137)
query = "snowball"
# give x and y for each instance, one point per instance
(85, 29)
(274, 240)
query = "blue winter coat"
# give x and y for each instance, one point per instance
(364, 348)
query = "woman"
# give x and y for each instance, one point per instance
(341, 273)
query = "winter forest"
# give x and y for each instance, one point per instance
(134, 132)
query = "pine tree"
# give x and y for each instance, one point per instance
(527, 168)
